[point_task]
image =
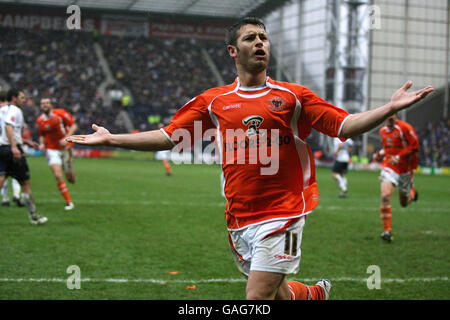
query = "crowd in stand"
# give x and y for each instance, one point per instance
(435, 144)
(161, 74)
(61, 65)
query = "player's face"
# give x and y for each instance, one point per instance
(253, 48)
(46, 105)
(20, 100)
(390, 122)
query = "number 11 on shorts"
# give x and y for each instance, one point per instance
(290, 243)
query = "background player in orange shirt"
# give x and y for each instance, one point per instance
(231, 108)
(54, 125)
(399, 154)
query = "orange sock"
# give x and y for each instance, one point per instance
(64, 191)
(167, 166)
(317, 292)
(412, 193)
(386, 215)
(300, 291)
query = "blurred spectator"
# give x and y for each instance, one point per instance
(162, 74)
(435, 144)
(61, 64)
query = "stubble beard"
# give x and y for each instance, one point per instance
(254, 67)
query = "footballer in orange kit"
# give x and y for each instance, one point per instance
(399, 160)
(54, 125)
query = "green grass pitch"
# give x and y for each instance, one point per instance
(137, 234)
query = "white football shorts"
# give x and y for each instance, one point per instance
(163, 155)
(402, 181)
(256, 248)
(60, 157)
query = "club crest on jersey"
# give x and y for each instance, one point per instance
(277, 104)
(253, 123)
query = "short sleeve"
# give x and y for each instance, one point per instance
(12, 116)
(192, 118)
(350, 142)
(68, 119)
(65, 116)
(320, 115)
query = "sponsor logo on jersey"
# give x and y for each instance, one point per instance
(254, 137)
(232, 106)
(253, 123)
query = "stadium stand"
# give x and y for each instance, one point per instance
(62, 65)
(435, 143)
(160, 74)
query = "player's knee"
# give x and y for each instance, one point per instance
(254, 294)
(385, 199)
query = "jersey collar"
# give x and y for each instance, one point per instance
(252, 88)
(47, 117)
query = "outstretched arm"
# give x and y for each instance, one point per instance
(360, 123)
(143, 141)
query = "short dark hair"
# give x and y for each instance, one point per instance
(2, 96)
(12, 93)
(232, 32)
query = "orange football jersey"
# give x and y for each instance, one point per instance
(54, 127)
(278, 117)
(401, 141)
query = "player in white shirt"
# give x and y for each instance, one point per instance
(342, 151)
(12, 158)
(15, 184)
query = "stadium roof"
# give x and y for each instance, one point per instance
(210, 8)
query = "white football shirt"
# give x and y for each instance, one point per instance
(12, 115)
(343, 154)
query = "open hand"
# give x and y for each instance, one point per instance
(99, 137)
(403, 99)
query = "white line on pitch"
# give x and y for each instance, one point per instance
(210, 204)
(219, 280)
(136, 202)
